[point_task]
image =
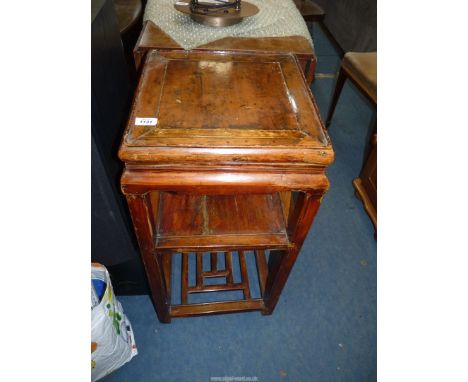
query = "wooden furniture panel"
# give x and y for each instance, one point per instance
(251, 80)
(239, 122)
(229, 137)
(189, 221)
(188, 215)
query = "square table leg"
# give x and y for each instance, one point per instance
(280, 263)
(140, 207)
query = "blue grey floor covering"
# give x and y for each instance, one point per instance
(324, 326)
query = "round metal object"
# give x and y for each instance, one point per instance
(221, 18)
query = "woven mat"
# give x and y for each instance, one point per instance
(276, 18)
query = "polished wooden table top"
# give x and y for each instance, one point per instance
(224, 107)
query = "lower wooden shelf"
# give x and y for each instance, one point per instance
(215, 222)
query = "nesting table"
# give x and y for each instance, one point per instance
(225, 154)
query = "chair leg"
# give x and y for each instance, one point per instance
(336, 94)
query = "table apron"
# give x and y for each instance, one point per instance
(222, 183)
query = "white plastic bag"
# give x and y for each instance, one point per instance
(112, 340)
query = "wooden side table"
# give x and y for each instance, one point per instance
(152, 37)
(215, 147)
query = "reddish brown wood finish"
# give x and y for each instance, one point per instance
(262, 269)
(152, 37)
(214, 262)
(144, 230)
(229, 285)
(216, 308)
(281, 262)
(219, 215)
(231, 123)
(167, 270)
(216, 176)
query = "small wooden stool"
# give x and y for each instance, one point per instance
(215, 147)
(361, 69)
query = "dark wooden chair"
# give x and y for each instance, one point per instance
(128, 12)
(129, 15)
(310, 11)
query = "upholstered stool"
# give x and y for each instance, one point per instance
(361, 69)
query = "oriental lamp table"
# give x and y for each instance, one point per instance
(225, 155)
